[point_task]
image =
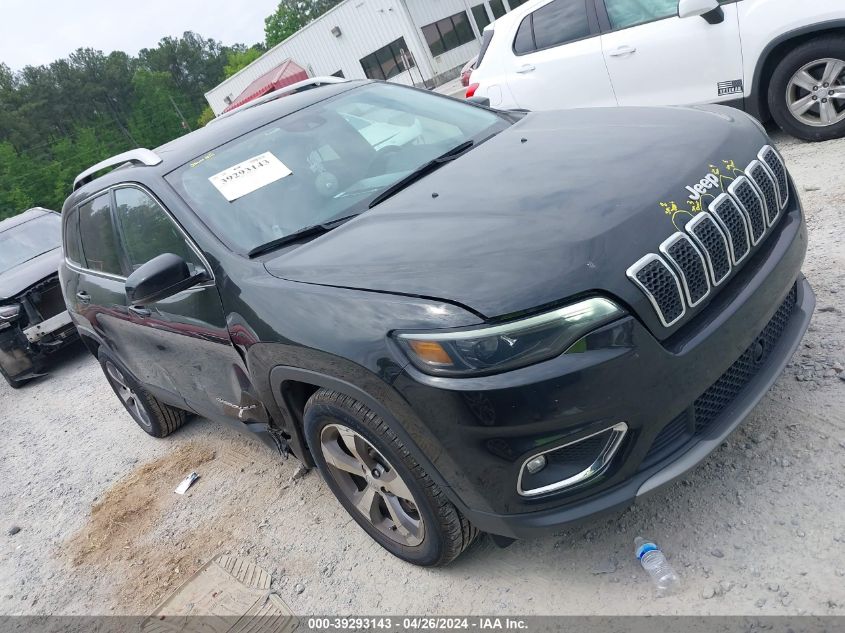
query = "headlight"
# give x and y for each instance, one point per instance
(497, 348)
(9, 313)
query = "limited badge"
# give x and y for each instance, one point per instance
(250, 175)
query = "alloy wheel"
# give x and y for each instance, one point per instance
(372, 485)
(128, 396)
(816, 93)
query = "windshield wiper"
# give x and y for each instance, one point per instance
(301, 234)
(421, 171)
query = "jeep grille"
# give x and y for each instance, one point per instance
(694, 261)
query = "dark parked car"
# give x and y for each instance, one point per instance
(585, 325)
(33, 319)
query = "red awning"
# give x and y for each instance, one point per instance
(285, 74)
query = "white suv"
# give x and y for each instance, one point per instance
(778, 58)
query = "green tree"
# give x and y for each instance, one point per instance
(292, 15)
(155, 115)
(283, 23)
(237, 60)
(205, 116)
(56, 120)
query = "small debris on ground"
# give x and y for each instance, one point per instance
(717, 553)
(301, 471)
(14, 530)
(299, 588)
(187, 482)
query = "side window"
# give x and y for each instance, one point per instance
(625, 13)
(554, 24)
(146, 229)
(98, 238)
(73, 246)
(560, 22)
(524, 41)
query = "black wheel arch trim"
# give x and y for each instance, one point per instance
(756, 104)
(281, 374)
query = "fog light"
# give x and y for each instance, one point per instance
(536, 464)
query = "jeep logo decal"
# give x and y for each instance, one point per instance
(719, 178)
(703, 186)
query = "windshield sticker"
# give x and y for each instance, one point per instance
(199, 161)
(250, 175)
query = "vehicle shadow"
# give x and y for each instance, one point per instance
(68, 359)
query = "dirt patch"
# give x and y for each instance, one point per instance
(132, 506)
(150, 539)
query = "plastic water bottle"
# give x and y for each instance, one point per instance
(655, 563)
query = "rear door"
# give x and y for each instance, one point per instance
(96, 293)
(557, 59)
(656, 58)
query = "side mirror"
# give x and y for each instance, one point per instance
(710, 10)
(482, 101)
(161, 278)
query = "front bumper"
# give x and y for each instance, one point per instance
(23, 351)
(482, 430)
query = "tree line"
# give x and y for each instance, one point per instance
(59, 119)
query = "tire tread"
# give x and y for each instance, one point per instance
(459, 532)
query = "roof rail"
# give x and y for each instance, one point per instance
(135, 156)
(284, 91)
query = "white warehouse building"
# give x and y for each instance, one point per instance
(415, 42)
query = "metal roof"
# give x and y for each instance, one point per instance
(285, 74)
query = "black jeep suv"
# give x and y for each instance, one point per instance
(466, 319)
(34, 322)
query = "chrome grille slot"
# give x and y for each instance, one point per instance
(694, 261)
(766, 184)
(732, 222)
(690, 266)
(777, 169)
(660, 284)
(712, 241)
(752, 206)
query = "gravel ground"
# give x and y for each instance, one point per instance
(758, 528)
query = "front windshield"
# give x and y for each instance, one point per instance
(29, 240)
(325, 162)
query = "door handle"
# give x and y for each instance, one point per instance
(527, 68)
(622, 51)
(83, 297)
(140, 311)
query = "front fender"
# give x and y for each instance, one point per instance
(383, 400)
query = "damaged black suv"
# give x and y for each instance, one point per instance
(468, 320)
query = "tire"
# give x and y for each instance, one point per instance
(439, 535)
(785, 88)
(152, 415)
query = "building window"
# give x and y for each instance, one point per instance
(448, 33)
(479, 12)
(388, 61)
(498, 8)
(515, 3)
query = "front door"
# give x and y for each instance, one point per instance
(180, 344)
(557, 60)
(656, 58)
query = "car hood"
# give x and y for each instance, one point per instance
(13, 282)
(560, 204)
